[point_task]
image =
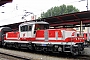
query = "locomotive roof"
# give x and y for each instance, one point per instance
(28, 23)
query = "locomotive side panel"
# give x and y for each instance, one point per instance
(12, 35)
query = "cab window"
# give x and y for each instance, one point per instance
(29, 28)
(26, 28)
(41, 26)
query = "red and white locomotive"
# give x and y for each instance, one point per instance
(37, 36)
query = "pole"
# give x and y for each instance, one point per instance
(81, 28)
(87, 5)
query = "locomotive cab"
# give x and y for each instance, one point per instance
(28, 29)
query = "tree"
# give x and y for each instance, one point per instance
(59, 10)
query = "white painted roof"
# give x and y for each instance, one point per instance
(27, 23)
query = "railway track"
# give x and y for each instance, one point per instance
(5, 56)
(30, 55)
(12, 54)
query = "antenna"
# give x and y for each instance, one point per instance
(26, 14)
(16, 6)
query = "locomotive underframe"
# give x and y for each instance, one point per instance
(54, 48)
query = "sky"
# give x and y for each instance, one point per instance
(15, 10)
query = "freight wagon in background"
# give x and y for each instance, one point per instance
(36, 35)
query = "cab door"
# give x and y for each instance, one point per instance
(29, 32)
(23, 31)
(26, 31)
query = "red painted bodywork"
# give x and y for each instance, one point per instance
(12, 35)
(51, 33)
(40, 34)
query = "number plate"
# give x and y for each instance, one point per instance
(43, 44)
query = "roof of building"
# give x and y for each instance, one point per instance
(2, 2)
(69, 19)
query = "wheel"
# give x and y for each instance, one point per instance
(75, 51)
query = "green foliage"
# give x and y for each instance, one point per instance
(59, 10)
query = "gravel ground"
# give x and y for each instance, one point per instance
(5, 57)
(87, 51)
(37, 56)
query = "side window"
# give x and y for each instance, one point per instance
(24, 28)
(29, 28)
(41, 26)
